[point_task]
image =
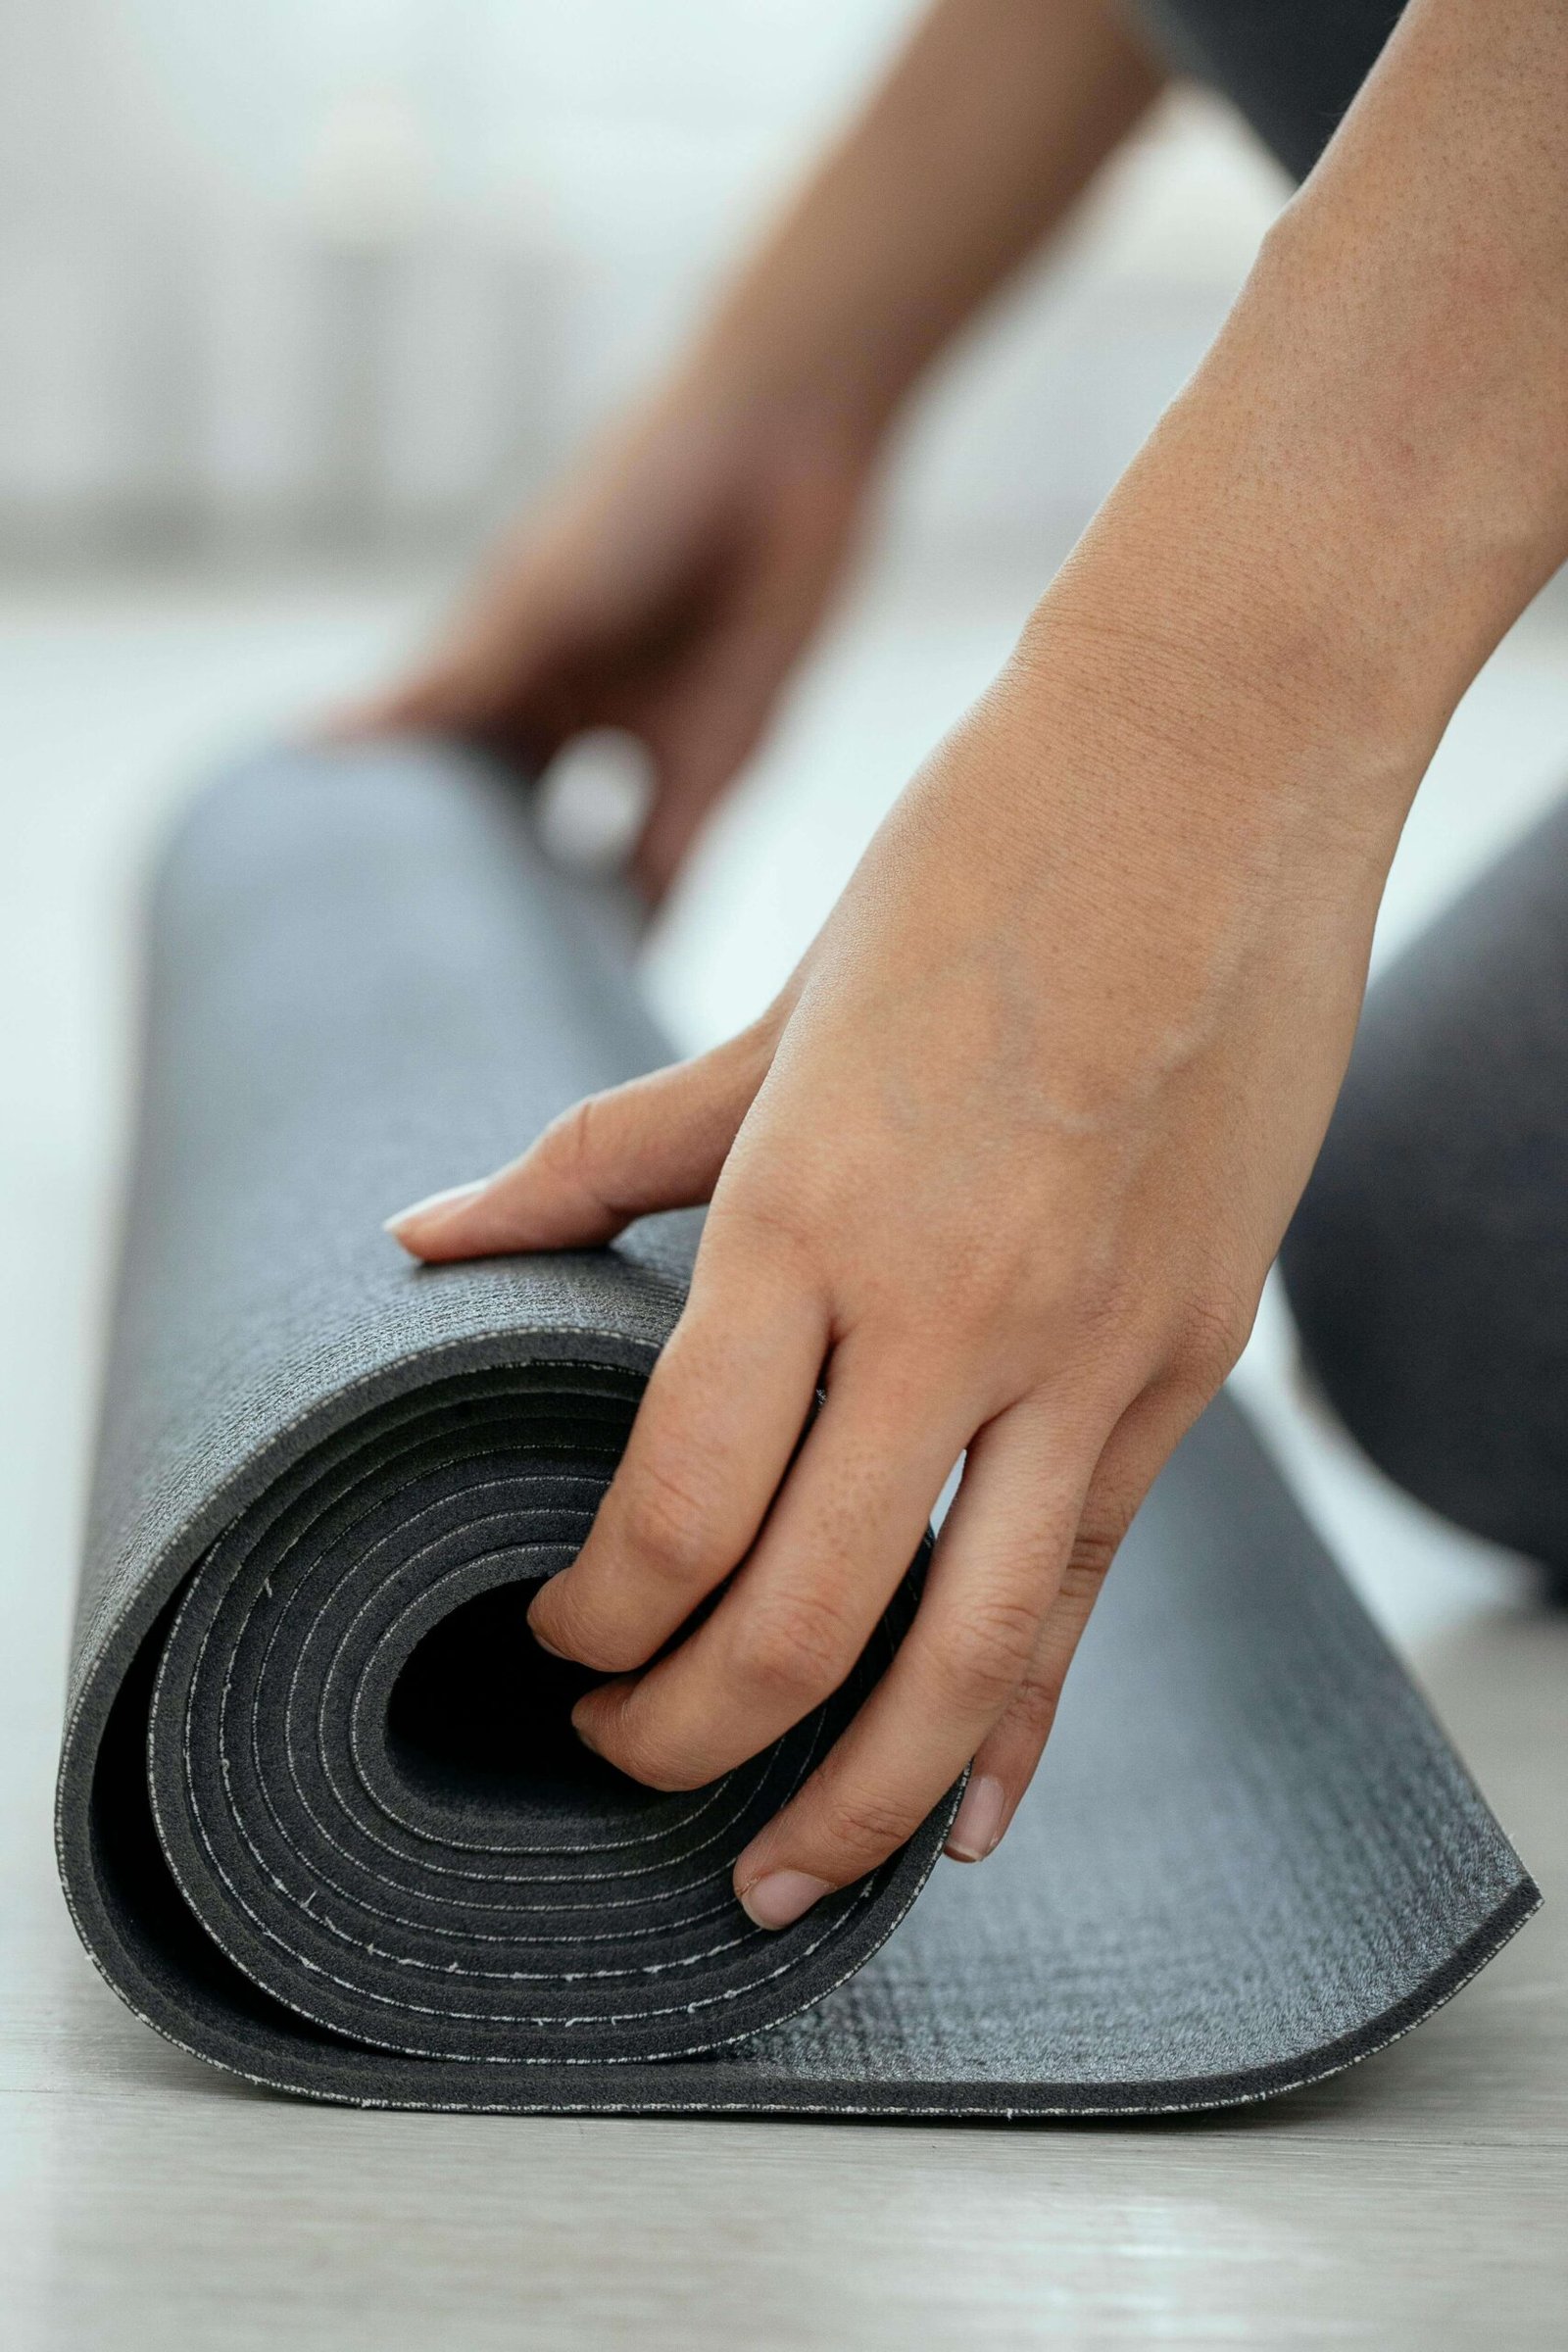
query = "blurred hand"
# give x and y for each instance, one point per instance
(1003, 1168)
(668, 589)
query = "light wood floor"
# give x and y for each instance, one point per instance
(1418, 2202)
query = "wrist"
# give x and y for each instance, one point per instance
(1249, 601)
(1167, 846)
(809, 376)
(1329, 523)
(1241, 693)
(1342, 513)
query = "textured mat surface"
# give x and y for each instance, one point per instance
(321, 1818)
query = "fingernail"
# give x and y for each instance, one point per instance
(978, 1825)
(418, 1209)
(779, 1900)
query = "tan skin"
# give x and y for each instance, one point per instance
(1070, 1041)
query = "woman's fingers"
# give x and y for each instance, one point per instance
(704, 718)
(841, 1535)
(720, 1417)
(1007, 1759)
(435, 702)
(489, 681)
(996, 1567)
(656, 1142)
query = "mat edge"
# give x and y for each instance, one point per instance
(1013, 2104)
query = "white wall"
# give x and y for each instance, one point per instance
(326, 269)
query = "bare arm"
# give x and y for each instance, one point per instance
(1367, 481)
(1070, 1041)
(670, 586)
(980, 140)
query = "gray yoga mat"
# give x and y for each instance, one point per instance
(322, 1819)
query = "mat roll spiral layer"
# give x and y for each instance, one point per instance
(321, 1817)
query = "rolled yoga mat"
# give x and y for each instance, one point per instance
(1427, 1265)
(321, 1817)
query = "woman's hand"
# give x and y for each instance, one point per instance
(668, 590)
(671, 586)
(1007, 1162)
(1003, 1170)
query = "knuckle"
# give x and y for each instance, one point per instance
(758, 1214)
(1093, 1550)
(982, 1664)
(863, 1827)
(665, 1519)
(585, 1148)
(567, 1143)
(570, 1623)
(798, 1647)
(1216, 1330)
(634, 1747)
(1035, 1702)
(1088, 1565)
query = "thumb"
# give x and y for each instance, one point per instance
(417, 705)
(488, 681)
(656, 1142)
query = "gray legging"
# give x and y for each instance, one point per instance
(1290, 66)
(1428, 1263)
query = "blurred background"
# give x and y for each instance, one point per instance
(297, 305)
(352, 276)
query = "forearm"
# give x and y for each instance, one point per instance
(1069, 1040)
(987, 127)
(1368, 478)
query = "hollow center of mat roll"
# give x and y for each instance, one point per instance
(481, 1716)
